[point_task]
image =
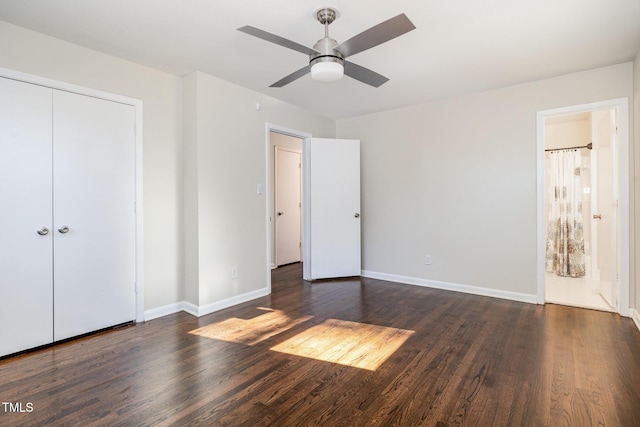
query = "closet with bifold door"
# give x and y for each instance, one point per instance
(67, 206)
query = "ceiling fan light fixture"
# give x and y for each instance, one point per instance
(327, 72)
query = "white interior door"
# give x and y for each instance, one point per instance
(288, 203)
(604, 214)
(333, 197)
(26, 287)
(93, 214)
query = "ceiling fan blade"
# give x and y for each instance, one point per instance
(364, 75)
(265, 35)
(291, 77)
(383, 32)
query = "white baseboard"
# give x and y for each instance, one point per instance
(165, 310)
(229, 302)
(475, 290)
(635, 315)
(190, 308)
(198, 311)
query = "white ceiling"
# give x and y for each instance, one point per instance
(459, 46)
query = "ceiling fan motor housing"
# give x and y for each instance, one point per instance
(325, 47)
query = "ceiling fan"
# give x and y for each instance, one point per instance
(327, 58)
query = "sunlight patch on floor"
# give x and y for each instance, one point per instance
(348, 343)
(250, 331)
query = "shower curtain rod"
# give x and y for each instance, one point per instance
(589, 146)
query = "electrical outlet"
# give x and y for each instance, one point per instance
(427, 260)
(234, 272)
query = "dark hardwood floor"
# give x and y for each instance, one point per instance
(353, 352)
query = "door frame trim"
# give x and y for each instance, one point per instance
(138, 207)
(624, 208)
(304, 136)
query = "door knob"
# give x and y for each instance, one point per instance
(43, 231)
(64, 229)
(280, 213)
(357, 215)
(597, 216)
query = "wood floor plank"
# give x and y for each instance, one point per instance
(346, 352)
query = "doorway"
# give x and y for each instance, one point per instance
(331, 183)
(583, 212)
(288, 141)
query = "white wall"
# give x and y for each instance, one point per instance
(191, 261)
(232, 155)
(30, 52)
(456, 179)
(573, 132)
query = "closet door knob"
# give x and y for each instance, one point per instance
(64, 229)
(43, 231)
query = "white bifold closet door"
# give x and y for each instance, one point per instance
(67, 193)
(93, 196)
(26, 262)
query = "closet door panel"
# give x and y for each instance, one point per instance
(26, 292)
(94, 195)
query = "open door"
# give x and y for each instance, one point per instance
(605, 200)
(332, 217)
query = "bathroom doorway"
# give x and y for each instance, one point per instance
(582, 219)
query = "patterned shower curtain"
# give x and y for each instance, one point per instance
(565, 238)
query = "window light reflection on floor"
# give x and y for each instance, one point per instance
(250, 331)
(355, 344)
